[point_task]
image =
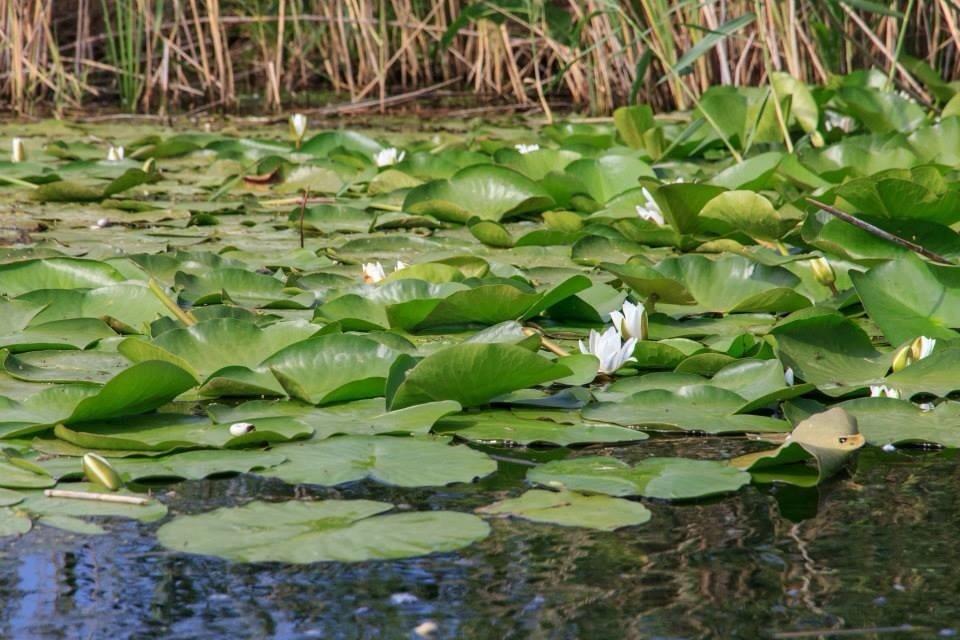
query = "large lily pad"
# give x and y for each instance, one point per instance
(405, 462)
(471, 374)
(326, 531)
(664, 478)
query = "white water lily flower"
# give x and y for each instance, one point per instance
(889, 448)
(651, 210)
(18, 152)
(400, 265)
(926, 406)
(922, 347)
(883, 391)
(838, 121)
(115, 154)
(788, 376)
(609, 350)
(298, 127)
(524, 149)
(387, 157)
(373, 272)
(630, 321)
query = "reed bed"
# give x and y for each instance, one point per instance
(160, 56)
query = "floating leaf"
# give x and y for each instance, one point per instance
(326, 531)
(405, 462)
(570, 509)
(664, 478)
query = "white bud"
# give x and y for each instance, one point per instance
(18, 152)
(241, 429)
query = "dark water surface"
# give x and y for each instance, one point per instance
(873, 553)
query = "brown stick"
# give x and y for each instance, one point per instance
(96, 497)
(880, 233)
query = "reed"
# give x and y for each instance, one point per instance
(155, 55)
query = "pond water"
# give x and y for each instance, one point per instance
(873, 551)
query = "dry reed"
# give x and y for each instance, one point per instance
(155, 55)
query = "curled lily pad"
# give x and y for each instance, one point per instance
(665, 478)
(570, 509)
(826, 439)
(326, 531)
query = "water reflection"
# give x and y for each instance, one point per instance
(875, 549)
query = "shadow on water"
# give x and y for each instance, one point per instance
(871, 551)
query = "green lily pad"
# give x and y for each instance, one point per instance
(505, 426)
(485, 191)
(664, 478)
(908, 297)
(404, 462)
(325, 531)
(697, 408)
(332, 368)
(471, 374)
(570, 509)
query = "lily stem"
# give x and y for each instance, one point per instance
(547, 343)
(183, 316)
(303, 212)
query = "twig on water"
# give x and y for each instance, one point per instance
(96, 497)
(880, 233)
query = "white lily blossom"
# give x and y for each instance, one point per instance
(18, 152)
(651, 210)
(922, 347)
(298, 126)
(115, 154)
(883, 391)
(373, 272)
(630, 321)
(388, 157)
(926, 406)
(838, 121)
(524, 149)
(400, 265)
(609, 349)
(889, 447)
(788, 376)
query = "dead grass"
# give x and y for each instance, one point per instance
(190, 54)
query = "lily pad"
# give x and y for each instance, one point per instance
(404, 462)
(664, 478)
(570, 509)
(326, 531)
